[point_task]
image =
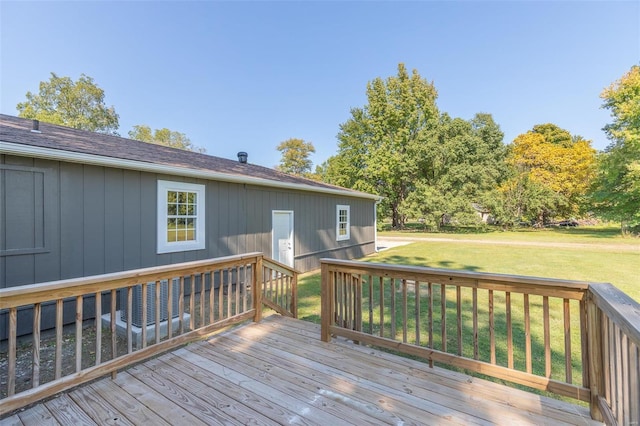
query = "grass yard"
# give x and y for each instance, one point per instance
(603, 255)
(598, 255)
(621, 268)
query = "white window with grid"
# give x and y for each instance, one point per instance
(343, 223)
(181, 216)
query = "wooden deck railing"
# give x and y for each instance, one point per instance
(280, 289)
(198, 297)
(615, 355)
(570, 338)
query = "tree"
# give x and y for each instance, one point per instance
(554, 168)
(461, 163)
(424, 164)
(379, 145)
(295, 156)
(518, 199)
(553, 134)
(616, 193)
(77, 104)
(318, 174)
(164, 137)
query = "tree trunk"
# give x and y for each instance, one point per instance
(397, 220)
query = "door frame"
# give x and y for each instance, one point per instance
(274, 247)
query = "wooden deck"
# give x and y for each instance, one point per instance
(279, 372)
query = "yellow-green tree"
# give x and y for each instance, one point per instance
(295, 156)
(78, 104)
(555, 167)
(164, 137)
(617, 190)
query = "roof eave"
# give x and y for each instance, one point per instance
(99, 160)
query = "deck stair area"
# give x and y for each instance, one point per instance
(279, 372)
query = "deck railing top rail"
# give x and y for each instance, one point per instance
(279, 267)
(41, 292)
(619, 308)
(407, 271)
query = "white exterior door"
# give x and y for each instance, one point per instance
(282, 236)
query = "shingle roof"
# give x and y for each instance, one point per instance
(18, 131)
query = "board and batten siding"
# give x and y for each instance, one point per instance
(314, 225)
(64, 220)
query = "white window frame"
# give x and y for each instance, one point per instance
(347, 236)
(164, 246)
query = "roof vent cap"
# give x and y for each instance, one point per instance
(36, 126)
(242, 157)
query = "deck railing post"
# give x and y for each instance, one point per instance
(595, 364)
(357, 303)
(326, 299)
(294, 295)
(256, 287)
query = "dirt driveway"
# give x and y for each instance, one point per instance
(386, 242)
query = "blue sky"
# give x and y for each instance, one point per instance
(247, 75)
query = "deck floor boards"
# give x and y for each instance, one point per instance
(279, 372)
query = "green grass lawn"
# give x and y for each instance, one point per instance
(621, 268)
(588, 262)
(601, 256)
(617, 267)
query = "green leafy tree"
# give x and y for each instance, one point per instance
(78, 104)
(295, 157)
(318, 174)
(164, 137)
(424, 164)
(379, 146)
(518, 199)
(553, 134)
(617, 188)
(460, 164)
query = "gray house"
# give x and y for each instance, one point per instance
(75, 203)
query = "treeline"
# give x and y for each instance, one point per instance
(446, 170)
(80, 104)
(426, 164)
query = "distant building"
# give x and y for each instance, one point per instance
(485, 214)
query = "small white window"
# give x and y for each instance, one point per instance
(342, 223)
(181, 216)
